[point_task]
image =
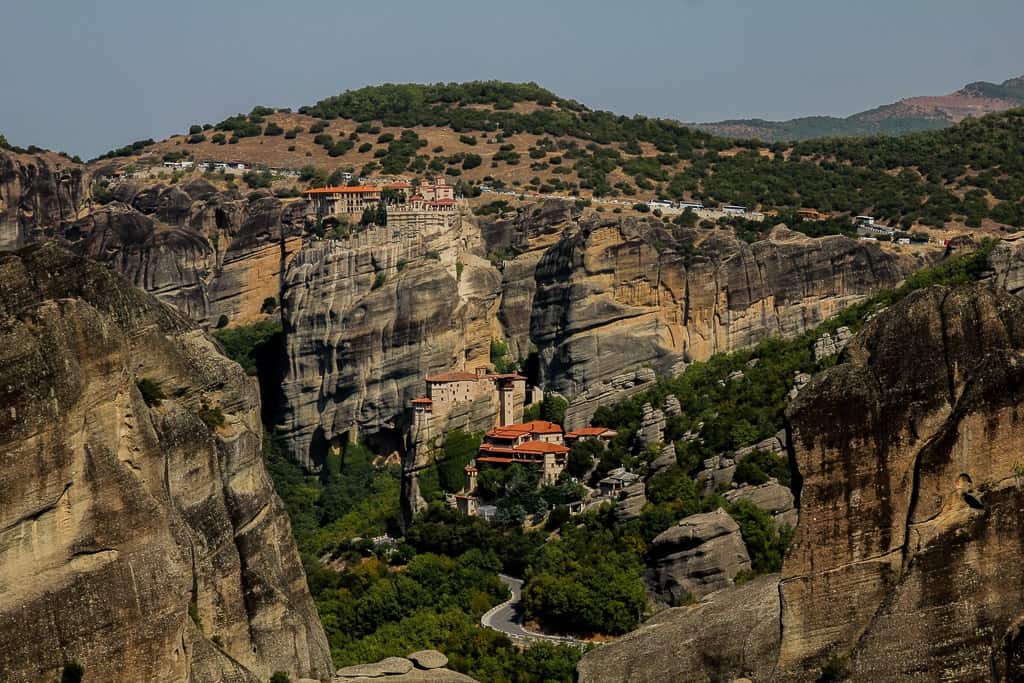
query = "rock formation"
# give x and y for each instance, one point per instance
(368, 319)
(652, 426)
(699, 555)
(906, 564)
(773, 498)
(828, 344)
(39, 195)
(907, 559)
(143, 540)
(615, 295)
(731, 634)
(208, 257)
(419, 667)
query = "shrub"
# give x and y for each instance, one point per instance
(269, 305)
(467, 139)
(211, 417)
(219, 138)
(195, 128)
(365, 147)
(196, 139)
(222, 321)
(385, 138)
(280, 677)
(379, 280)
(273, 129)
(152, 392)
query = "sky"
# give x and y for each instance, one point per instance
(85, 77)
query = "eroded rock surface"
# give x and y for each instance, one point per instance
(730, 635)
(699, 555)
(908, 555)
(137, 539)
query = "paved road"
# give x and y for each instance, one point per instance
(508, 616)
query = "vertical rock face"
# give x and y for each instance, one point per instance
(135, 538)
(616, 295)
(908, 555)
(39, 193)
(699, 555)
(207, 256)
(367, 319)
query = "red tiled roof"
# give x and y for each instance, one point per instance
(421, 401)
(540, 427)
(452, 377)
(500, 433)
(356, 189)
(540, 447)
(494, 459)
(506, 375)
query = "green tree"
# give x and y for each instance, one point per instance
(552, 408)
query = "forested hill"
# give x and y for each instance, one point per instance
(909, 115)
(523, 137)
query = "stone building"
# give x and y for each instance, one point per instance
(343, 201)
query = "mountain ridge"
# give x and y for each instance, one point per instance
(907, 115)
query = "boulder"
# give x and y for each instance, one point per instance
(729, 635)
(699, 555)
(389, 666)
(428, 659)
(652, 426)
(829, 344)
(773, 498)
(665, 459)
(631, 501)
(672, 406)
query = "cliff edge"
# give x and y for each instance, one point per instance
(139, 534)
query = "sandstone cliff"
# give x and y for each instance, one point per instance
(907, 558)
(616, 295)
(138, 539)
(208, 252)
(906, 564)
(39, 194)
(591, 306)
(367, 318)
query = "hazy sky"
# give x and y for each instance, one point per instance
(85, 77)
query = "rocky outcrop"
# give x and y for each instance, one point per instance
(907, 561)
(652, 426)
(615, 295)
(699, 555)
(143, 540)
(419, 667)
(632, 500)
(368, 319)
(829, 344)
(730, 635)
(209, 258)
(773, 498)
(39, 195)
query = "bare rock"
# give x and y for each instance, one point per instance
(631, 502)
(910, 504)
(772, 497)
(699, 555)
(729, 635)
(672, 406)
(831, 344)
(127, 525)
(666, 459)
(389, 666)
(652, 426)
(428, 659)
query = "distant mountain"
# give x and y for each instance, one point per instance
(909, 115)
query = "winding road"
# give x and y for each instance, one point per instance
(508, 616)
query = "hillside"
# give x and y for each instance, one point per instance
(524, 138)
(909, 115)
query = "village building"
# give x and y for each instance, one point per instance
(617, 480)
(338, 200)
